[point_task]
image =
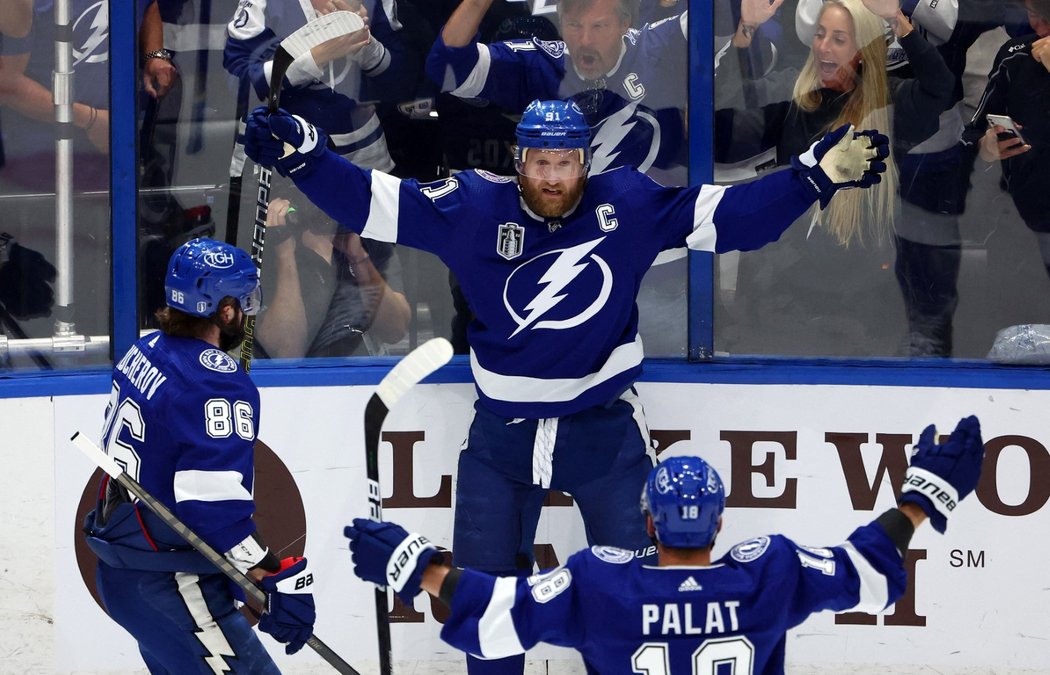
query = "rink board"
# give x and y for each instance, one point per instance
(804, 460)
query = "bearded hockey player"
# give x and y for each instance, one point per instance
(182, 420)
(551, 262)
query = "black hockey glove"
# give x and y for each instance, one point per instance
(25, 280)
(290, 613)
(843, 159)
(940, 476)
(281, 140)
(387, 555)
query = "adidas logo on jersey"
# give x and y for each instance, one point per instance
(690, 585)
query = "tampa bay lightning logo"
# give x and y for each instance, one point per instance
(219, 361)
(749, 550)
(663, 481)
(630, 136)
(561, 289)
(611, 554)
(553, 47)
(91, 35)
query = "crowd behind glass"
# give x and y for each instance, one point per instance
(953, 246)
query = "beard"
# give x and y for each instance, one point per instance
(547, 205)
(232, 334)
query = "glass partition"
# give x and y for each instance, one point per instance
(946, 251)
(331, 293)
(952, 245)
(54, 185)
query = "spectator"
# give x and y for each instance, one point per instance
(337, 82)
(326, 294)
(817, 287)
(1019, 87)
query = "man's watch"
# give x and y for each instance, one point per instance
(157, 54)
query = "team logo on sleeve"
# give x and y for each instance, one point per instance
(749, 550)
(553, 47)
(611, 554)
(511, 240)
(493, 177)
(219, 361)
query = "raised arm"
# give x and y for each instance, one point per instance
(461, 29)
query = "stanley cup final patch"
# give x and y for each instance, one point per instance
(511, 240)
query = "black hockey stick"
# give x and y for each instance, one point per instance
(106, 463)
(417, 364)
(314, 33)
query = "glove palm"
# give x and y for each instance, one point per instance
(843, 159)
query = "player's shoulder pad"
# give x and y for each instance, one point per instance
(493, 177)
(632, 35)
(556, 48)
(750, 550)
(613, 555)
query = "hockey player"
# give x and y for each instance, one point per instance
(181, 420)
(689, 614)
(550, 263)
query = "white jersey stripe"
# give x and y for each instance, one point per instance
(874, 591)
(543, 451)
(210, 486)
(704, 236)
(521, 389)
(383, 209)
(475, 82)
(496, 634)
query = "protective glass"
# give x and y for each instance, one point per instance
(551, 164)
(252, 302)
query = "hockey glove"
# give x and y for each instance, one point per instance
(281, 140)
(940, 476)
(387, 555)
(290, 614)
(25, 280)
(843, 159)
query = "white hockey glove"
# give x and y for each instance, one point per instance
(843, 159)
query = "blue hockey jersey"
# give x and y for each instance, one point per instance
(626, 617)
(636, 112)
(338, 96)
(181, 420)
(555, 326)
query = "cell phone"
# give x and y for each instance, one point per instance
(1007, 123)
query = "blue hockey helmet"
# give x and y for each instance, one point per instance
(685, 497)
(202, 272)
(553, 125)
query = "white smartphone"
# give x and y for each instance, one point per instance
(1007, 123)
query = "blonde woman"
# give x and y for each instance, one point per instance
(837, 264)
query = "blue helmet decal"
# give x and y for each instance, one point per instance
(685, 497)
(202, 272)
(553, 125)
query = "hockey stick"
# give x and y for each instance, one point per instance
(314, 33)
(106, 463)
(419, 363)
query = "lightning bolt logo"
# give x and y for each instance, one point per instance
(208, 632)
(99, 35)
(610, 134)
(565, 268)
